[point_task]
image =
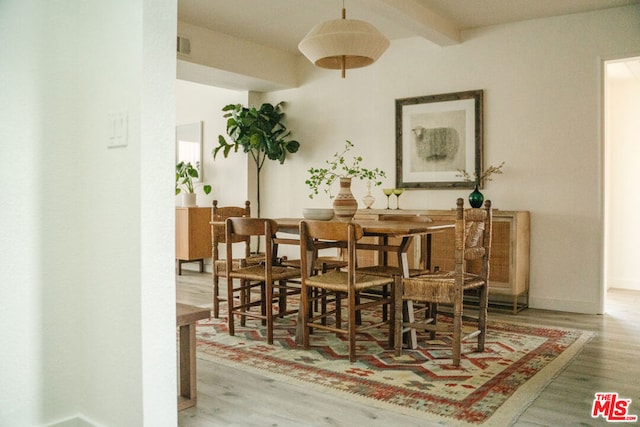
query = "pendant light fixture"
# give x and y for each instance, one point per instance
(343, 43)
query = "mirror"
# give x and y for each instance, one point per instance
(189, 146)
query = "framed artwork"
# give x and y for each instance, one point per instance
(436, 136)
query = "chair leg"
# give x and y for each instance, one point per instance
(269, 309)
(433, 313)
(230, 307)
(351, 326)
(304, 318)
(263, 302)
(398, 291)
(323, 306)
(456, 344)
(245, 297)
(392, 317)
(216, 295)
(282, 297)
(338, 310)
(482, 316)
(385, 293)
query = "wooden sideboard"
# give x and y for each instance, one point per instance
(193, 235)
(509, 265)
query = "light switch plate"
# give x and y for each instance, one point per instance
(118, 129)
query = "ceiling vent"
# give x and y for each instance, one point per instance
(183, 46)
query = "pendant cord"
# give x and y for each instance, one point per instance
(344, 58)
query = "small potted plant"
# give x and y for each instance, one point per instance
(185, 173)
(344, 205)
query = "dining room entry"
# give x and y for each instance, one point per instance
(621, 152)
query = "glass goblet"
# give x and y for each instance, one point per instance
(398, 192)
(387, 192)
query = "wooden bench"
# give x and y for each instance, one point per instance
(186, 318)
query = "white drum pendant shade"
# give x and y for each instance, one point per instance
(343, 43)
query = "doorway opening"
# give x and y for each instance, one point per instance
(621, 154)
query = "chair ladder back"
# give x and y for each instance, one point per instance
(220, 214)
(249, 227)
(473, 235)
(486, 240)
(316, 235)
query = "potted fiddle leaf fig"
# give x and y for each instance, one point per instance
(185, 174)
(259, 132)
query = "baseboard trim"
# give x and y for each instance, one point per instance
(77, 421)
(571, 306)
(624, 284)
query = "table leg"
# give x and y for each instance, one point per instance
(403, 262)
(188, 379)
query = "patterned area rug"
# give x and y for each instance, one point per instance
(489, 388)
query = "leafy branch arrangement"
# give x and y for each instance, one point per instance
(339, 168)
(484, 176)
(185, 173)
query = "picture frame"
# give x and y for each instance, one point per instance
(436, 136)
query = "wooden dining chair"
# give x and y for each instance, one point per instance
(472, 243)
(272, 279)
(341, 284)
(219, 215)
(321, 264)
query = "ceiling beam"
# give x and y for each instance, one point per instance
(221, 60)
(419, 19)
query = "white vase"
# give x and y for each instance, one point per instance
(188, 199)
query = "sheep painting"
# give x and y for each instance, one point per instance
(436, 144)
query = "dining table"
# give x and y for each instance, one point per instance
(406, 231)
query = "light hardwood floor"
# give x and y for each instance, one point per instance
(608, 363)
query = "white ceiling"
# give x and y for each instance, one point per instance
(283, 23)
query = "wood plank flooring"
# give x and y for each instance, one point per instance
(608, 363)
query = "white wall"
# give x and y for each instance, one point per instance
(87, 277)
(228, 176)
(623, 140)
(542, 92)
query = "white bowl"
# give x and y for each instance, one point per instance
(318, 214)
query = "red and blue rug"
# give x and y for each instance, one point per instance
(497, 384)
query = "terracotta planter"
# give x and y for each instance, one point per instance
(345, 205)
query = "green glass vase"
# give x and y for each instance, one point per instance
(476, 198)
